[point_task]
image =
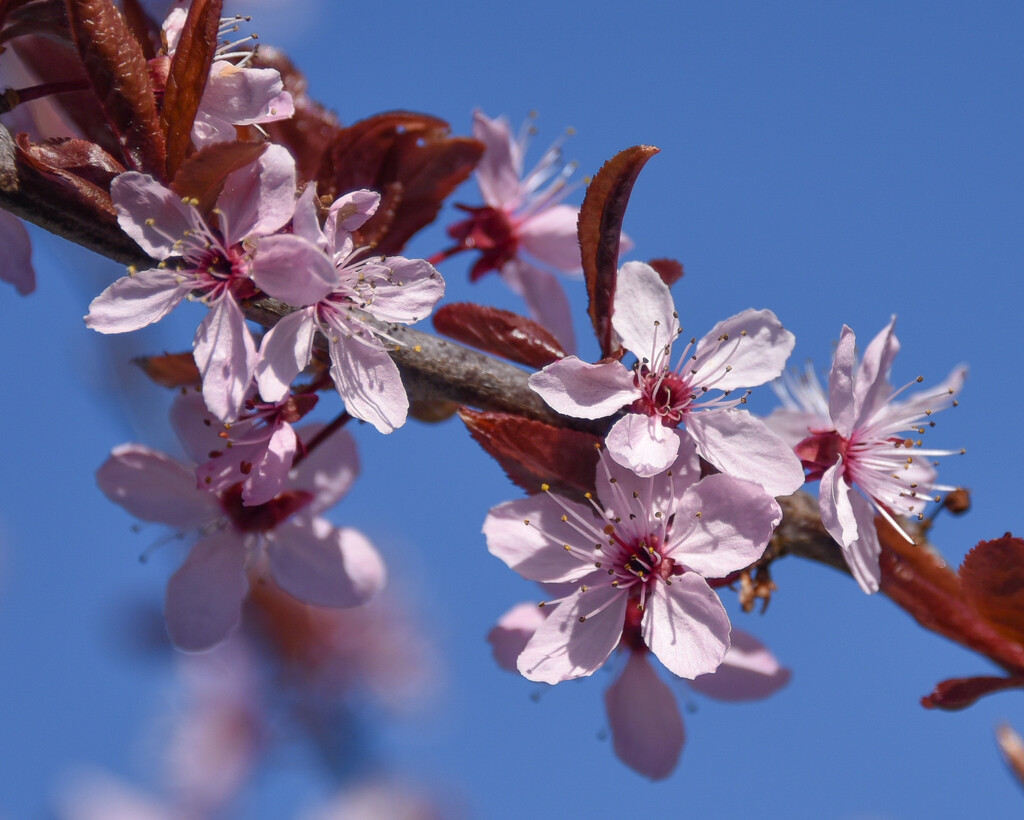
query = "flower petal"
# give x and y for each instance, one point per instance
(226, 357)
(16, 267)
(849, 519)
(686, 626)
(551, 237)
(497, 173)
(647, 729)
(405, 291)
(204, 597)
(260, 197)
(749, 671)
(284, 352)
(293, 270)
(324, 565)
(842, 405)
(513, 631)
(871, 388)
(134, 301)
(152, 215)
(545, 299)
(328, 471)
(368, 382)
(643, 444)
(749, 349)
(644, 315)
(585, 391)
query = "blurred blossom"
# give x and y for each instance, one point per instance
(386, 800)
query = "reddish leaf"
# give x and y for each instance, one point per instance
(959, 693)
(409, 159)
(202, 175)
(992, 576)
(19, 18)
(119, 74)
(669, 270)
(171, 369)
(599, 228)
(533, 453)
(499, 332)
(74, 173)
(920, 582)
(187, 76)
(85, 160)
(143, 26)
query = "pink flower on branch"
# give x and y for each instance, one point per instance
(868, 443)
(214, 262)
(637, 561)
(322, 270)
(749, 349)
(305, 554)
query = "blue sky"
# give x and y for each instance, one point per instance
(836, 163)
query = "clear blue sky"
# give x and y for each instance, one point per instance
(833, 162)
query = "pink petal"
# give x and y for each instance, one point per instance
(245, 96)
(729, 522)
(513, 631)
(17, 263)
(132, 302)
(348, 213)
(325, 565)
(756, 351)
(270, 469)
(647, 729)
(285, 351)
(197, 428)
(293, 270)
(259, 198)
(204, 597)
(369, 383)
(793, 426)
(643, 315)
(835, 507)
(850, 520)
(328, 470)
(226, 357)
(152, 215)
(406, 291)
(659, 492)
(643, 444)
(306, 218)
(526, 548)
(154, 487)
(686, 626)
(545, 299)
(741, 445)
(497, 173)
(871, 388)
(749, 671)
(564, 648)
(585, 391)
(842, 405)
(551, 237)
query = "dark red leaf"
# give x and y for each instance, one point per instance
(409, 159)
(992, 576)
(187, 76)
(599, 228)
(499, 332)
(143, 26)
(74, 173)
(669, 270)
(202, 174)
(533, 453)
(959, 693)
(19, 18)
(85, 160)
(119, 74)
(171, 369)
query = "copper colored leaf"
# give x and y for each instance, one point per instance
(85, 159)
(143, 26)
(498, 332)
(119, 74)
(171, 369)
(959, 693)
(410, 159)
(992, 576)
(669, 270)
(533, 453)
(19, 18)
(187, 76)
(202, 174)
(74, 173)
(599, 228)
(920, 582)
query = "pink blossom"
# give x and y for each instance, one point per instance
(749, 349)
(235, 94)
(306, 556)
(214, 267)
(16, 267)
(637, 561)
(321, 269)
(647, 728)
(868, 444)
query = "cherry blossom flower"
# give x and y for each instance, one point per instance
(306, 556)
(646, 726)
(749, 349)
(638, 559)
(869, 444)
(235, 94)
(523, 217)
(320, 270)
(216, 258)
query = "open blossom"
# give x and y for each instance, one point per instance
(646, 726)
(235, 95)
(866, 456)
(749, 349)
(320, 270)
(523, 217)
(305, 554)
(637, 561)
(215, 257)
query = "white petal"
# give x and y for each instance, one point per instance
(686, 626)
(408, 294)
(871, 387)
(842, 405)
(643, 444)
(369, 383)
(132, 302)
(284, 352)
(752, 344)
(259, 198)
(293, 270)
(513, 631)
(585, 391)
(226, 357)
(152, 215)
(644, 311)
(497, 173)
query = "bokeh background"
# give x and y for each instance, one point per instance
(836, 163)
